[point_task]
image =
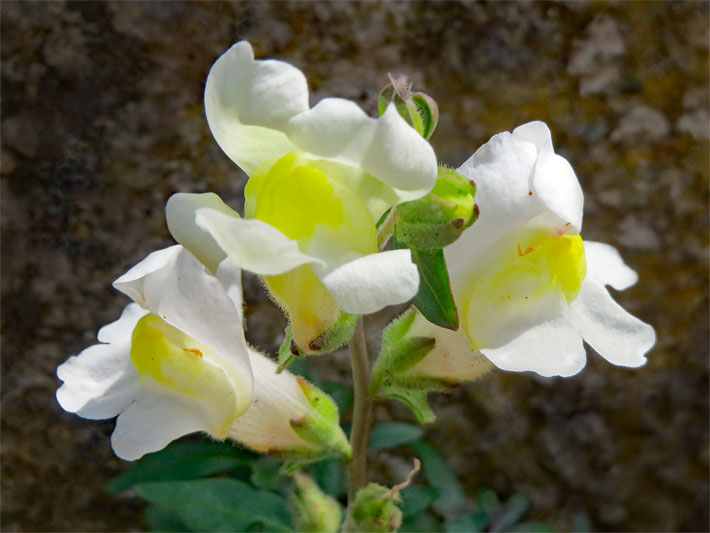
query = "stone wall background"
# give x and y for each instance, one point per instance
(102, 120)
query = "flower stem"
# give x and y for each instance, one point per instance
(362, 410)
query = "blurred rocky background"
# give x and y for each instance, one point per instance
(102, 121)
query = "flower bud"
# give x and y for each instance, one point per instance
(410, 366)
(418, 109)
(313, 509)
(289, 418)
(439, 218)
(374, 510)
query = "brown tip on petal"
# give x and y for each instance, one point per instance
(457, 223)
(476, 210)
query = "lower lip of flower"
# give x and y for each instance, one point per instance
(509, 284)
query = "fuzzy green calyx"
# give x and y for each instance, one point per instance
(313, 510)
(419, 109)
(440, 217)
(321, 428)
(374, 510)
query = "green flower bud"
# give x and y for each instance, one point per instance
(441, 216)
(374, 510)
(313, 510)
(418, 109)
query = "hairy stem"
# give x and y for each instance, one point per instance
(362, 410)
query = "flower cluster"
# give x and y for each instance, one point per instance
(522, 290)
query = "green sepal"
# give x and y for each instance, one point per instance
(434, 298)
(320, 401)
(321, 429)
(416, 400)
(440, 217)
(397, 355)
(288, 350)
(374, 510)
(419, 109)
(335, 336)
(312, 509)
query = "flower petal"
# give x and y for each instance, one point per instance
(180, 214)
(371, 282)
(248, 103)
(386, 147)
(550, 348)
(265, 425)
(252, 244)
(101, 381)
(502, 169)
(451, 358)
(151, 423)
(121, 330)
(187, 297)
(605, 266)
(554, 181)
(618, 336)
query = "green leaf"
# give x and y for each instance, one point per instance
(266, 474)
(513, 510)
(393, 434)
(219, 504)
(182, 461)
(533, 527)
(440, 477)
(434, 298)
(416, 498)
(472, 523)
(158, 519)
(330, 476)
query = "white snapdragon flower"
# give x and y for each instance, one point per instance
(176, 362)
(528, 289)
(320, 179)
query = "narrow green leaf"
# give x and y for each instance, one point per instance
(513, 510)
(392, 434)
(472, 523)
(434, 298)
(158, 519)
(182, 461)
(440, 477)
(416, 498)
(219, 504)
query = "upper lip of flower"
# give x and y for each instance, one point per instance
(258, 111)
